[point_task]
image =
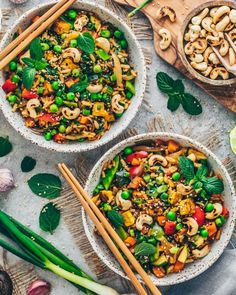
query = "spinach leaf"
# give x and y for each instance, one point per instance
(36, 50)
(28, 76)
(213, 185)
(115, 218)
(49, 218)
(79, 87)
(45, 185)
(27, 164)
(5, 146)
(186, 167)
(86, 42)
(165, 83)
(191, 105)
(144, 249)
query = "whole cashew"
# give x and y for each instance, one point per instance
(196, 20)
(196, 57)
(220, 12)
(70, 114)
(215, 212)
(213, 59)
(166, 38)
(143, 219)
(232, 16)
(219, 71)
(192, 225)
(224, 48)
(183, 189)
(116, 107)
(80, 22)
(194, 32)
(206, 24)
(166, 11)
(206, 54)
(157, 159)
(74, 53)
(200, 45)
(103, 43)
(229, 27)
(222, 24)
(94, 88)
(202, 66)
(213, 11)
(31, 105)
(207, 71)
(125, 204)
(188, 48)
(201, 253)
(232, 57)
(232, 34)
(214, 40)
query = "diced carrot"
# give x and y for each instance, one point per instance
(211, 228)
(158, 271)
(135, 162)
(173, 146)
(178, 266)
(131, 241)
(35, 18)
(161, 220)
(83, 120)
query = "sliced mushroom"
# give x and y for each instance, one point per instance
(192, 225)
(196, 57)
(184, 190)
(222, 24)
(116, 107)
(31, 105)
(166, 38)
(232, 16)
(143, 219)
(166, 11)
(201, 253)
(70, 114)
(232, 57)
(219, 13)
(94, 88)
(196, 20)
(224, 48)
(74, 53)
(215, 212)
(202, 66)
(219, 71)
(125, 204)
(157, 159)
(103, 43)
(80, 22)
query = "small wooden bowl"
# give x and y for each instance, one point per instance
(183, 57)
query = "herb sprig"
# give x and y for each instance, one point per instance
(177, 96)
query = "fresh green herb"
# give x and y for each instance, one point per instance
(110, 173)
(202, 171)
(133, 12)
(40, 64)
(144, 249)
(5, 146)
(115, 218)
(187, 167)
(86, 43)
(36, 50)
(213, 185)
(177, 95)
(29, 61)
(78, 87)
(49, 218)
(45, 185)
(28, 164)
(28, 76)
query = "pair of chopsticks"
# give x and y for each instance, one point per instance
(33, 31)
(109, 235)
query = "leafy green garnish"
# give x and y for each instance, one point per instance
(28, 76)
(213, 185)
(202, 171)
(45, 185)
(28, 61)
(86, 42)
(49, 218)
(5, 146)
(115, 218)
(79, 87)
(187, 167)
(144, 249)
(28, 164)
(36, 50)
(40, 64)
(177, 95)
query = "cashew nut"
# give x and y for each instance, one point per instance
(74, 53)
(157, 159)
(213, 11)
(166, 11)
(232, 57)
(184, 189)
(188, 48)
(31, 105)
(143, 219)
(206, 53)
(201, 253)
(166, 38)
(215, 40)
(125, 204)
(206, 24)
(213, 59)
(196, 20)
(232, 34)
(232, 16)
(194, 32)
(224, 48)
(192, 225)
(221, 25)
(203, 33)
(229, 27)
(80, 22)
(200, 45)
(103, 43)
(219, 71)
(187, 36)
(215, 212)
(94, 88)
(70, 114)
(116, 107)
(196, 57)
(202, 66)
(220, 12)
(207, 71)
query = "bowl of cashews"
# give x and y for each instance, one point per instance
(203, 28)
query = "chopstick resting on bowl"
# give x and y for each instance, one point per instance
(33, 32)
(109, 234)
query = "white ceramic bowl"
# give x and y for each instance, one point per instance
(193, 269)
(137, 59)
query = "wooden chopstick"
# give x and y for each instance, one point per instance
(31, 28)
(74, 183)
(105, 236)
(41, 28)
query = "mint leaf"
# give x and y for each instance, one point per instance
(86, 42)
(191, 105)
(27, 164)
(144, 249)
(5, 146)
(115, 218)
(49, 218)
(173, 103)
(202, 171)
(40, 64)
(28, 61)
(178, 86)
(186, 167)
(165, 83)
(213, 185)
(36, 50)
(79, 87)
(28, 76)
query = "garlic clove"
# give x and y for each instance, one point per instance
(6, 180)
(39, 287)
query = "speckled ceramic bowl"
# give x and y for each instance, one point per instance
(193, 269)
(137, 59)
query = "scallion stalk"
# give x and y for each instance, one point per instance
(133, 12)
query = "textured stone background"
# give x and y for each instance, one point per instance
(23, 205)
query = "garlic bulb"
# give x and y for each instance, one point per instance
(6, 180)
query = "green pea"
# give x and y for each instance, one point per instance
(123, 44)
(55, 85)
(128, 151)
(72, 14)
(125, 195)
(106, 207)
(176, 176)
(209, 207)
(48, 135)
(53, 132)
(126, 174)
(118, 34)
(53, 108)
(218, 222)
(204, 233)
(45, 46)
(105, 33)
(76, 73)
(113, 78)
(86, 112)
(94, 96)
(59, 101)
(40, 90)
(129, 94)
(179, 226)
(222, 219)
(73, 43)
(12, 98)
(164, 196)
(97, 69)
(171, 215)
(138, 201)
(15, 78)
(99, 96)
(57, 49)
(147, 177)
(62, 129)
(84, 94)
(70, 96)
(106, 97)
(12, 65)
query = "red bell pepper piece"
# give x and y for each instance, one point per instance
(136, 155)
(169, 227)
(136, 171)
(58, 137)
(225, 212)
(9, 86)
(48, 118)
(199, 216)
(29, 94)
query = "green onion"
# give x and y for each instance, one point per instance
(133, 12)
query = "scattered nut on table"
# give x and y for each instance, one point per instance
(166, 11)
(207, 29)
(166, 38)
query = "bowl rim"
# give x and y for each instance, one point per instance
(180, 42)
(111, 134)
(152, 135)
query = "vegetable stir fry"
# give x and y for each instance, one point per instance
(165, 202)
(74, 80)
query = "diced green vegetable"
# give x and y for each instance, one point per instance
(130, 87)
(103, 54)
(110, 173)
